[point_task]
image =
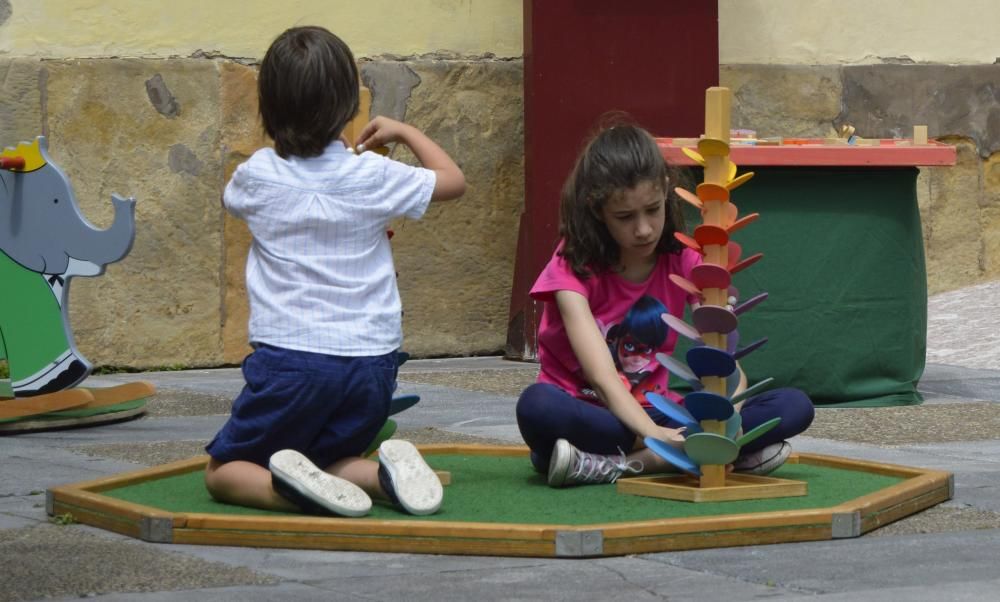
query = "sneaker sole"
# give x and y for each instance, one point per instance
(334, 494)
(417, 487)
(559, 464)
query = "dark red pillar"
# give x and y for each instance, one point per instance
(652, 59)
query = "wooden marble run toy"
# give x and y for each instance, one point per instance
(714, 433)
(44, 242)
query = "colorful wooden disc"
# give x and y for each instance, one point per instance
(709, 361)
(713, 147)
(673, 455)
(681, 327)
(687, 241)
(689, 197)
(754, 390)
(749, 303)
(735, 250)
(678, 369)
(709, 275)
(403, 402)
(709, 449)
(708, 406)
(732, 383)
(686, 284)
(743, 221)
(731, 172)
(673, 411)
(742, 265)
(712, 318)
(712, 192)
(730, 214)
(758, 431)
(711, 235)
(735, 183)
(733, 425)
(745, 351)
(693, 155)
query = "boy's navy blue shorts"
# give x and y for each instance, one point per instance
(328, 407)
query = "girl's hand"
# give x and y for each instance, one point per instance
(673, 437)
(379, 132)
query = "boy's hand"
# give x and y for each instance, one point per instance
(449, 182)
(379, 132)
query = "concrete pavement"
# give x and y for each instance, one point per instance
(948, 552)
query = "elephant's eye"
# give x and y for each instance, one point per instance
(55, 201)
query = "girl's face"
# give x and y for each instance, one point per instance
(635, 218)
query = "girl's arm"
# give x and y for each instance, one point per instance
(450, 181)
(599, 369)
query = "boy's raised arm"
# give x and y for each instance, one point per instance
(450, 182)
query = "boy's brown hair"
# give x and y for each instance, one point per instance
(307, 90)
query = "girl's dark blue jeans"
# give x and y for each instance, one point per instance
(546, 413)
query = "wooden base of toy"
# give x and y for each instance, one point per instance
(36, 423)
(22, 407)
(47, 412)
(686, 488)
(919, 489)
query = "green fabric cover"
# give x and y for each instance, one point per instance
(507, 490)
(846, 315)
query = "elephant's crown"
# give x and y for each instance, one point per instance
(31, 152)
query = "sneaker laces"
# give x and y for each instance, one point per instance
(597, 468)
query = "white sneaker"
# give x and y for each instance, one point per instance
(570, 466)
(764, 461)
(407, 479)
(301, 482)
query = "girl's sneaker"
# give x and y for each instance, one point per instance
(570, 466)
(407, 479)
(301, 482)
(765, 460)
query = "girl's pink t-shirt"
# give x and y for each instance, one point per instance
(628, 315)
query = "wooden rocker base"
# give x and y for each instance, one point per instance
(686, 488)
(908, 490)
(75, 407)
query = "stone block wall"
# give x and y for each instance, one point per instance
(170, 132)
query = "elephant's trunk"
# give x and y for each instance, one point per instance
(106, 246)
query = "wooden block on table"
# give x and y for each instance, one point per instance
(920, 134)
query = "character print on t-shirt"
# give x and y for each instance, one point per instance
(634, 343)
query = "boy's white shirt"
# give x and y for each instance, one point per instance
(320, 275)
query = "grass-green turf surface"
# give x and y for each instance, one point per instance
(507, 490)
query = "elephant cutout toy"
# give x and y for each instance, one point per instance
(44, 242)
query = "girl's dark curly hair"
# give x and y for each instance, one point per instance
(618, 158)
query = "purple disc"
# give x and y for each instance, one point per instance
(749, 303)
(709, 361)
(743, 351)
(681, 327)
(712, 318)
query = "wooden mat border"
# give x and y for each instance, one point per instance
(919, 490)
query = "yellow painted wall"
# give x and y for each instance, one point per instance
(244, 28)
(817, 32)
(750, 31)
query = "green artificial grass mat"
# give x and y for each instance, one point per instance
(503, 489)
(81, 413)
